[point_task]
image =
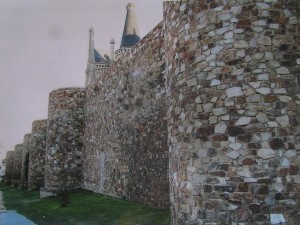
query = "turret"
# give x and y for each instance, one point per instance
(112, 49)
(130, 33)
(90, 75)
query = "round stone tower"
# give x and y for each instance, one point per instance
(17, 165)
(233, 94)
(37, 154)
(25, 161)
(63, 166)
(9, 167)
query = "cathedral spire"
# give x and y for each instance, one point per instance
(91, 46)
(131, 33)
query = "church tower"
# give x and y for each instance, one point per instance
(130, 33)
(97, 64)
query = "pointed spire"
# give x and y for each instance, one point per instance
(90, 75)
(91, 46)
(131, 33)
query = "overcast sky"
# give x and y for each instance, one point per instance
(44, 46)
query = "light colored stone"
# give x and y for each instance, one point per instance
(290, 154)
(237, 72)
(266, 153)
(283, 120)
(191, 82)
(222, 30)
(262, 6)
(263, 90)
(233, 154)
(260, 23)
(263, 40)
(235, 146)
(285, 162)
(253, 98)
(215, 82)
(272, 124)
(243, 121)
(219, 111)
(269, 56)
(234, 92)
(244, 173)
(277, 219)
(240, 44)
(282, 70)
(298, 61)
(220, 128)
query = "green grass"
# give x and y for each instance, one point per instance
(85, 208)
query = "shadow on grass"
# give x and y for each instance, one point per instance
(83, 208)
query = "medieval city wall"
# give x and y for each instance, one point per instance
(9, 167)
(63, 162)
(125, 138)
(36, 171)
(233, 111)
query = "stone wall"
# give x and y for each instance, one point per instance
(233, 111)
(63, 163)
(25, 161)
(9, 167)
(125, 130)
(17, 165)
(37, 154)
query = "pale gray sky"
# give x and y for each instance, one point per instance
(44, 46)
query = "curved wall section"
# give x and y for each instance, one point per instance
(17, 165)
(37, 154)
(233, 111)
(63, 166)
(25, 161)
(9, 167)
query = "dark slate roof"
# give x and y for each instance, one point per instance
(129, 40)
(99, 58)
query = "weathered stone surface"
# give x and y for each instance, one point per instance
(266, 153)
(25, 161)
(16, 177)
(9, 167)
(36, 172)
(63, 162)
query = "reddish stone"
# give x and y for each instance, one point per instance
(276, 143)
(241, 100)
(220, 137)
(243, 187)
(249, 197)
(242, 213)
(283, 172)
(283, 132)
(270, 98)
(293, 170)
(291, 145)
(237, 196)
(243, 23)
(281, 20)
(263, 190)
(218, 173)
(225, 69)
(254, 208)
(245, 137)
(248, 161)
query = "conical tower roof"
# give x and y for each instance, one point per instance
(131, 33)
